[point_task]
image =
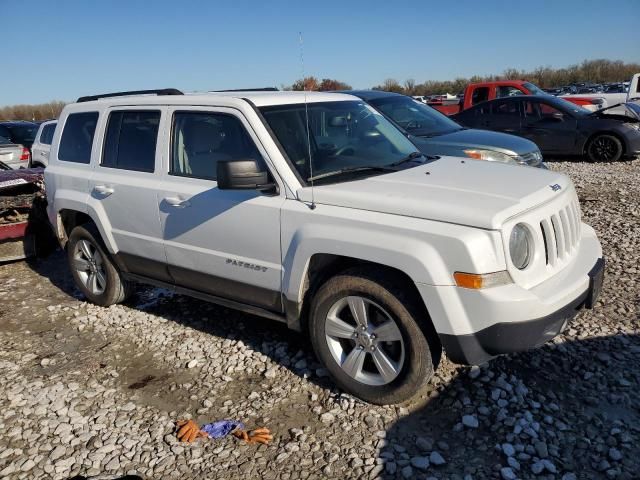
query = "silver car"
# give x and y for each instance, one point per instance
(16, 138)
(436, 134)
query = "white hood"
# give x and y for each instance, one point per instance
(466, 192)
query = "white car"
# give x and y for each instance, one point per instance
(314, 210)
(42, 144)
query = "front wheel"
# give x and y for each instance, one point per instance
(604, 148)
(93, 270)
(365, 330)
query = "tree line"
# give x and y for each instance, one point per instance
(589, 71)
(42, 111)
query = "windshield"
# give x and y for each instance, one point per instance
(342, 135)
(23, 134)
(534, 89)
(415, 117)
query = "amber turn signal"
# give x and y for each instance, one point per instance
(476, 281)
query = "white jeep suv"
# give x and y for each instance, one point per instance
(312, 209)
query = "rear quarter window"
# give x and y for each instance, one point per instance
(77, 137)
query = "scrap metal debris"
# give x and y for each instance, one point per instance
(24, 225)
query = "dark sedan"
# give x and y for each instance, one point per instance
(436, 134)
(19, 132)
(559, 127)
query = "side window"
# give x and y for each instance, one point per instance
(505, 108)
(77, 137)
(538, 111)
(47, 134)
(200, 140)
(480, 94)
(130, 140)
(508, 91)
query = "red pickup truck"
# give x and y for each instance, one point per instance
(481, 92)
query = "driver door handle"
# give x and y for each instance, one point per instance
(177, 202)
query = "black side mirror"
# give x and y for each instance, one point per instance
(242, 175)
(557, 116)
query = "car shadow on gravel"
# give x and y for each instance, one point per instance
(273, 339)
(562, 409)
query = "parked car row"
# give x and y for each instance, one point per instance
(580, 88)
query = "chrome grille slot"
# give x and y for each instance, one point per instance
(561, 233)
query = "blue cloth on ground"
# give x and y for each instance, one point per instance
(221, 428)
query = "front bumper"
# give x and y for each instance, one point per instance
(475, 325)
(501, 338)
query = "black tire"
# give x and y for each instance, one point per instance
(604, 148)
(116, 288)
(407, 312)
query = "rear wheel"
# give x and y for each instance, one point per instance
(604, 148)
(93, 270)
(365, 329)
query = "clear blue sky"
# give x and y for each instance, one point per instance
(63, 49)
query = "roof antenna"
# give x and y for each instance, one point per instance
(306, 114)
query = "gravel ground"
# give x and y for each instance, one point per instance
(89, 390)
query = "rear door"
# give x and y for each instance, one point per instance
(124, 185)
(553, 130)
(220, 242)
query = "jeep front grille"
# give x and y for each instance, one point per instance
(561, 233)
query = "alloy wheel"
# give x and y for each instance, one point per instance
(364, 340)
(604, 148)
(89, 265)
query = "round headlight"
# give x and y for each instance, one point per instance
(520, 246)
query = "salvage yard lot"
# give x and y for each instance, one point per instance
(89, 390)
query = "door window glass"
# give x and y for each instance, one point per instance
(201, 139)
(536, 111)
(507, 91)
(480, 94)
(505, 108)
(77, 137)
(130, 141)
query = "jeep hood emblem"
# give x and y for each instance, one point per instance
(555, 187)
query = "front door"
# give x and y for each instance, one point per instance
(221, 242)
(552, 130)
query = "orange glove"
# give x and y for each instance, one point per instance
(259, 435)
(188, 431)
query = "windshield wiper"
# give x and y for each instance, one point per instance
(352, 169)
(409, 158)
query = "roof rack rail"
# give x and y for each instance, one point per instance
(161, 91)
(263, 89)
